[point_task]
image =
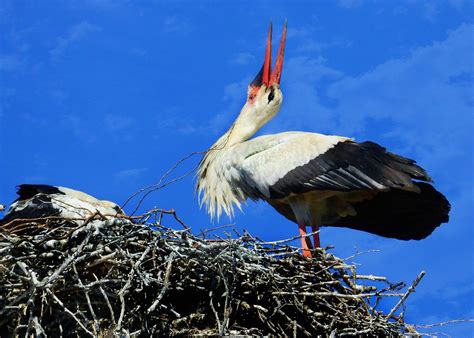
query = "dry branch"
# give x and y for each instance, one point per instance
(101, 277)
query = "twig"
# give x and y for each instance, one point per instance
(69, 312)
(107, 301)
(286, 240)
(164, 211)
(449, 322)
(337, 295)
(166, 283)
(158, 185)
(405, 296)
(218, 321)
(86, 294)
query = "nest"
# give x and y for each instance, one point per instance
(105, 276)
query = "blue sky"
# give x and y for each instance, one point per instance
(104, 96)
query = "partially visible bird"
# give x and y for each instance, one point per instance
(39, 200)
(314, 179)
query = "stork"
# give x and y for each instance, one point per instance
(314, 179)
(40, 200)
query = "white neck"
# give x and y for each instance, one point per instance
(249, 121)
(216, 189)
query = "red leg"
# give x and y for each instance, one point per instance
(317, 243)
(304, 240)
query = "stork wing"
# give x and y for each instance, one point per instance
(276, 166)
(39, 200)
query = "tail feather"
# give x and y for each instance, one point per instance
(400, 214)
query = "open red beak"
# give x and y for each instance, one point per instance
(266, 76)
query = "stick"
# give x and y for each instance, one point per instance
(405, 296)
(165, 284)
(449, 322)
(69, 312)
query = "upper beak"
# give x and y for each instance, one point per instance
(276, 74)
(265, 76)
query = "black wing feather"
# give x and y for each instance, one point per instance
(27, 191)
(394, 213)
(40, 205)
(400, 214)
(350, 166)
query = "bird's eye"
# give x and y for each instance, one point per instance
(271, 96)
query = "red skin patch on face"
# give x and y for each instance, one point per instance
(253, 94)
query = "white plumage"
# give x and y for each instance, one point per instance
(37, 201)
(262, 163)
(248, 169)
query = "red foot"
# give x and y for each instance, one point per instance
(306, 242)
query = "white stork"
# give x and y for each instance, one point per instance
(314, 179)
(39, 200)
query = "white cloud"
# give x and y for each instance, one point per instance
(299, 32)
(6, 10)
(243, 58)
(10, 63)
(350, 3)
(115, 122)
(309, 45)
(173, 24)
(460, 4)
(429, 85)
(302, 107)
(80, 125)
(140, 52)
(419, 87)
(103, 5)
(74, 123)
(75, 33)
(234, 98)
(304, 41)
(132, 173)
(59, 95)
(430, 11)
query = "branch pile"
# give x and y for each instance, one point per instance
(111, 276)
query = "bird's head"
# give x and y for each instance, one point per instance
(264, 94)
(113, 206)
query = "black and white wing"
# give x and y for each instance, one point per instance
(278, 165)
(385, 192)
(38, 200)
